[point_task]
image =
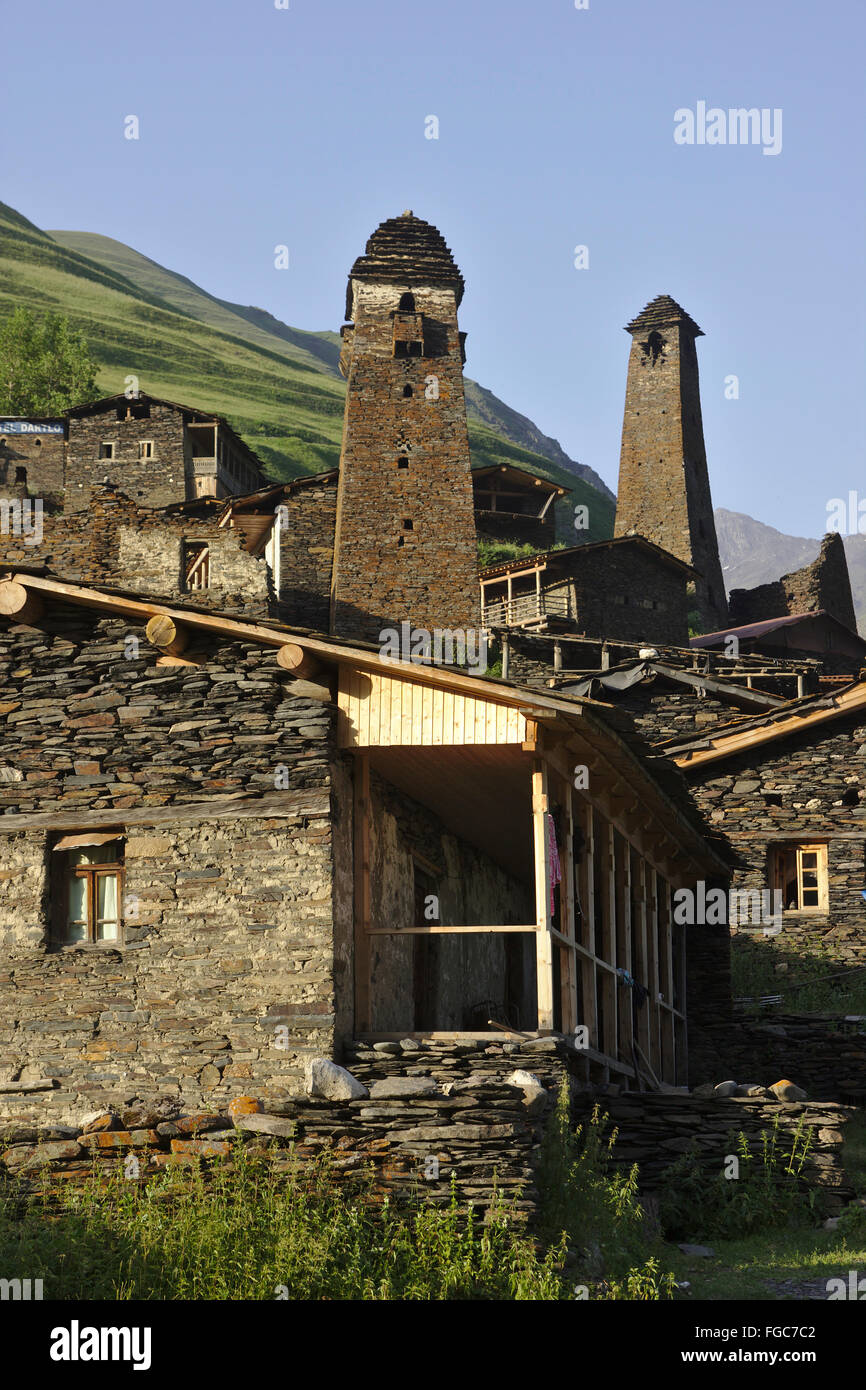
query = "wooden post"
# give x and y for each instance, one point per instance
(608, 939)
(362, 895)
(18, 604)
(543, 938)
(587, 892)
(666, 977)
(623, 942)
(567, 959)
(641, 964)
(171, 638)
(655, 1052)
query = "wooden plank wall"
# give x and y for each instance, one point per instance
(379, 711)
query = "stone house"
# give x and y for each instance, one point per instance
(513, 504)
(219, 863)
(156, 452)
(626, 589)
(236, 834)
(788, 787)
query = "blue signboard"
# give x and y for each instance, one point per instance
(32, 427)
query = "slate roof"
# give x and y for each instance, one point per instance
(660, 312)
(406, 250)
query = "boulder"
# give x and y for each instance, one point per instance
(243, 1105)
(522, 1078)
(324, 1078)
(787, 1091)
(725, 1089)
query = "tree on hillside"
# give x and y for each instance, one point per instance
(45, 365)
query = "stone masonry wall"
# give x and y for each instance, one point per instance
(825, 584)
(654, 1130)
(435, 1111)
(229, 922)
(116, 542)
(43, 456)
(307, 554)
(818, 779)
(406, 545)
(154, 482)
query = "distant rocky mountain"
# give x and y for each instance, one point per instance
(753, 553)
(482, 405)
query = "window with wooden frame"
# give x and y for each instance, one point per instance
(106, 449)
(145, 448)
(196, 565)
(88, 879)
(799, 872)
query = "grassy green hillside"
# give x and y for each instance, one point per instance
(279, 386)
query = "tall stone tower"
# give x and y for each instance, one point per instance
(405, 546)
(664, 486)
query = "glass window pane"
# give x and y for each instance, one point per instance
(106, 906)
(76, 915)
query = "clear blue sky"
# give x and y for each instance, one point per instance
(305, 126)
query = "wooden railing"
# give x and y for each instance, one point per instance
(524, 609)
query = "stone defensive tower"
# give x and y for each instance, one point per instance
(405, 545)
(664, 486)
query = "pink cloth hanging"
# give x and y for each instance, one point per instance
(555, 865)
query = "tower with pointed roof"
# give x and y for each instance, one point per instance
(405, 545)
(664, 485)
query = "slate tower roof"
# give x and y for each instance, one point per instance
(404, 250)
(663, 310)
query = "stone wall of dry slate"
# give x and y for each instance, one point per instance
(116, 542)
(307, 553)
(808, 788)
(229, 916)
(434, 1111)
(654, 1130)
(823, 1053)
(825, 584)
(43, 458)
(153, 482)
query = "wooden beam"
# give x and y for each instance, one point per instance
(294, 804)
(293, 658)
(18, 604)
(434, 929)
(163, 632)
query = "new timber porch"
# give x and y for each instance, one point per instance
(571, 812)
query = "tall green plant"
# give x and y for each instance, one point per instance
(45, 365)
